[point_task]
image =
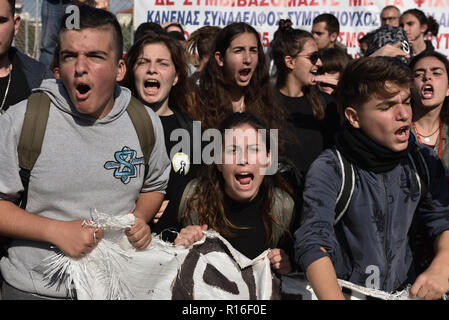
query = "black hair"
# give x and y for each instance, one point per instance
(145, 27)
(366, 38)
(334, 60)
(177, 35)
(432, 24)
(177, 25)
(236, 119)
(286, 42)
(12, 6)
(332, 24)
(290, 42)
(444, 114)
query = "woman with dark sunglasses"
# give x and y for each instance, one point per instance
(311, 115)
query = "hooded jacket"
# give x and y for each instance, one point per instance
(370, 245)
(85, 164)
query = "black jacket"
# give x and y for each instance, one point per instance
(178, 182)
(33, 70)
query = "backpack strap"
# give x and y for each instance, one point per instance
(348, 179)
(283, 212)
(187, 193)
(421, 170)
(347, 186)
(421, 245)
(144, 128)
(31, 138)
(33, 129)
(35, 124)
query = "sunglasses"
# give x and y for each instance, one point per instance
(313, 57)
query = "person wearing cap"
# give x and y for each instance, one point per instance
(389, 41)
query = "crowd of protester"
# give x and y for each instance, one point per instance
(371, 130)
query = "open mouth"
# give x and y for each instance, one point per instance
(427, 92)
(244, 178)
(151, 86)
(82, 90)
(314, 73)
(245, 74)
(402, 131)
(152, 83)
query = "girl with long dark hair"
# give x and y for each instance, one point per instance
(417, 25)
(157, 75)
(235, 79)
(253, 211)
(311, 115)
(430, 93)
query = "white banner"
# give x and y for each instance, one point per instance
(210, 269)
(356, 17)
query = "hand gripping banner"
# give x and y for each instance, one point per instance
(210, 269)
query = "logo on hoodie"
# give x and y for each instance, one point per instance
(125, 166)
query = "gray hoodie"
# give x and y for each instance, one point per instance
(85, 164)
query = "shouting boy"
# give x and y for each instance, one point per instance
(371, 238)
(91, 158)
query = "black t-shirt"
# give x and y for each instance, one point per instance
(18, 88)
(182, 171)
(3, 88)
(180, 162)
(251, 241)
(309, 135)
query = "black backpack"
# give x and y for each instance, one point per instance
(348, 179)
(421, 246)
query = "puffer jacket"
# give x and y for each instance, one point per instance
(371, 240)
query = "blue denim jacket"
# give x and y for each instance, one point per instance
(371, 241)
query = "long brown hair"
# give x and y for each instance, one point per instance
(213, 101)
(208, 197)
(444, 113)
(179, 92)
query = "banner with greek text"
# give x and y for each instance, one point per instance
(356, 17)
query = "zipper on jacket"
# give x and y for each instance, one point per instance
(385, 231)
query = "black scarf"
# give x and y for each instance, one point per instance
(360, 150)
